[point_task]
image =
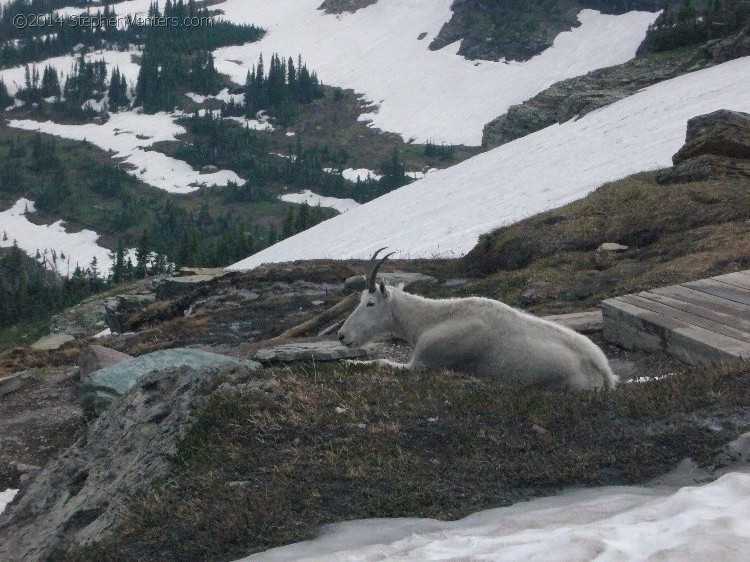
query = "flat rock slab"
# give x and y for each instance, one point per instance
(310, 351)
(10, 384)
(51, 342)
(114, 381)
(583, 322)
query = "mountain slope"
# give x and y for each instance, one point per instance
(445, 213)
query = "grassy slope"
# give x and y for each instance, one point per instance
(260, 470)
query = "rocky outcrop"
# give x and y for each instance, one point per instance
(119, 308)
(578, 96)
(111, 382)
(78, 497)
(730, 48)
(341, 6)
(716, 145)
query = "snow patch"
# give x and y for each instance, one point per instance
(79, 248)
(706, 522)
(444, 213)
(314, 200)
(361, 174)
(6, 497)
(128, 134)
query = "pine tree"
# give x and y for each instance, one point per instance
(50, 83)
(142, 255)
(5, 98)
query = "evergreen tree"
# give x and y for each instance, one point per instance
(142, 255)
(50, 83)
(5, 98)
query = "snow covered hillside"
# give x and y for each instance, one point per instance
(706, 522)
(422, 94)
(444, 213)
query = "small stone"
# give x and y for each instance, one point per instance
(10, 384)
(612, 247)
(340, 410)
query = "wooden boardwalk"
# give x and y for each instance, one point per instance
(704, 321)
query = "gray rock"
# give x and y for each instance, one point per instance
(112, 382)
(723, 50)
(10, 384)
(96, 357)
(309, 351)
(76, 499)
(358, 282)
(720, 133)
(612, 247)
(583, 322)
(209, 169)
(51, 342)
(80, 321)
(705, 167)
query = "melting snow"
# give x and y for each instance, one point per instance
(313, 199)
(706, 522)
(6, 497)
(444, 213)
(79, 247)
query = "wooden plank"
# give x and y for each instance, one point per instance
(705, 300)
(719, 289)
(731, 320)
(737, 279)
(636, 328)
(686, 317)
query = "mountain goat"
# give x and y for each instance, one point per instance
(477, 336)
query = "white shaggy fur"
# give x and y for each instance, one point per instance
(479, 336)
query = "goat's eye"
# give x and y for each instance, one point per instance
(370, 304)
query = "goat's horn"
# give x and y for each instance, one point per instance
(374, 271)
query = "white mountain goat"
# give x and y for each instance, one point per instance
(477, 336)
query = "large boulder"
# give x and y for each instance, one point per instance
(721, 133)
(105, 385)
(717, 145)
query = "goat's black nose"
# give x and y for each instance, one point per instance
(341, 337)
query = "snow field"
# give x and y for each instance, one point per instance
(6, 497)
(609, 524)
(444, 213)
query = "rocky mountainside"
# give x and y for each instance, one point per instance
(576, 97)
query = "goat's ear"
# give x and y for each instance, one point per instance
(382, 286)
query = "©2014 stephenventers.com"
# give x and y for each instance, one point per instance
(100, 21)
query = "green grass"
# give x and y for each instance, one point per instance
(332, 443)
(23, 333)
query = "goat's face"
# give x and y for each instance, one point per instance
(373, 317)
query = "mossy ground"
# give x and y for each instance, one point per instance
(337, 442)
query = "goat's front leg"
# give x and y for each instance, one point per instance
(382, 363)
